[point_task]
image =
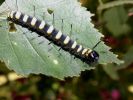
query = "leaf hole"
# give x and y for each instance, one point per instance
(50, 11)
(12, 27)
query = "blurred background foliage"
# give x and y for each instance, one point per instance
(114, 18)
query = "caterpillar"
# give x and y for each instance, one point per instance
(42, 28)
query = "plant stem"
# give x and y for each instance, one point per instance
(114, 3)
(100, 2)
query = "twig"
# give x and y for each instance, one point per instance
(114, 3)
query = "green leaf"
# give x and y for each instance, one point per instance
(25, 55)
(116, 20)
(111, 70)
(128, 59)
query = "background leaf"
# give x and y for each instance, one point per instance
(116, 20)
(128, 58)
(25, 55)
(111, 70)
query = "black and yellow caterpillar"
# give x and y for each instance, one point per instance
(42, 28)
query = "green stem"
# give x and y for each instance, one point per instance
(99, 13)
(100, 2)
(114, 3)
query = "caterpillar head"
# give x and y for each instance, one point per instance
(91, 57)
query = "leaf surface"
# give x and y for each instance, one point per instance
(25, 55)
